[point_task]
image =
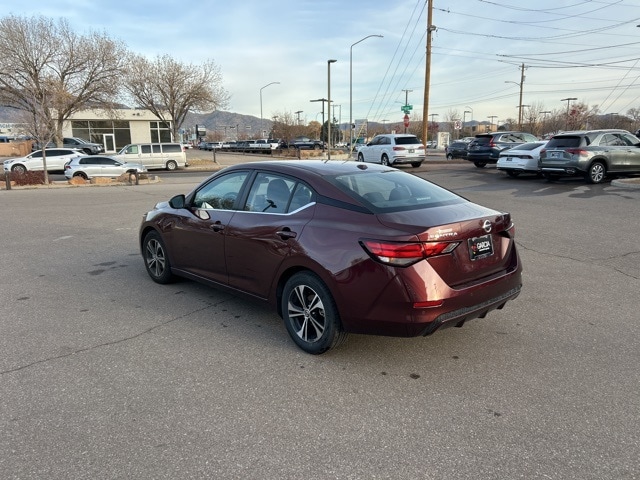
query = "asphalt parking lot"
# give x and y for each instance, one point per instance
(105, 374)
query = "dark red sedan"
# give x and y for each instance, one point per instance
(338, 247)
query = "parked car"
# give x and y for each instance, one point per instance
(56, 158)
(486, 147)
(456, 150)
(99, 166)
(88, 148)
(305, 143)
(393, 149)
(521, 159)
(337, 247)
(154, 155)
(593, 154)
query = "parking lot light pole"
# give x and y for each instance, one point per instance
(568, 100)
(329, 62)
(351, 88)
(268, 84)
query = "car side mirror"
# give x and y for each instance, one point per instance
(177, 202)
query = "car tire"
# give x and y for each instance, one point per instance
(19, 169)
(513, 173)
(316, 146)
(416, 164)
(81, 175)
(310, 314)
(360, 157)
(449, 156)
(596, 173)
(384, 160)
(550, 176)
(156, 260)
(480, 164)
(171, 165)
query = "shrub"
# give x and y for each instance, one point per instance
(27, 178)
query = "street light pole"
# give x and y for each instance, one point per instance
(566, 125)
(321, 100)
(491, 117)
(272, 83)
(298, 114)
(329, 62)
(471, 112)
(351, 88)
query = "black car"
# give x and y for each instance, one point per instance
(456, 150)
(305, 143)
(486, 147)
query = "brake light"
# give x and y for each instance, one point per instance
(398, 148)
(577, 151)
(403, 254)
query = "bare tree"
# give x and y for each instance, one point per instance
(171, 89)
(66, 72)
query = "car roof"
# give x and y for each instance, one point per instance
(318, 167)
(587, 132)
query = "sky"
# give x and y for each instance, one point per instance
(589, 50)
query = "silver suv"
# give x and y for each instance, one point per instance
(593, 154)
(99, 166)
(393, 149)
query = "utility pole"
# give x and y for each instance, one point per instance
(520, 102)
(298, 114)
(427, 74)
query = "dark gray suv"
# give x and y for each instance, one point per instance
(593, 154)
(486, 147)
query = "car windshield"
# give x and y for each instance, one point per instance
(564, 142)
(393, 190)
(407, 140)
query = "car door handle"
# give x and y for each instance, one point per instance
(217, 226)
(286, 234)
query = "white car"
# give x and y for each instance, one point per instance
(99, 166)
(393, 149)
(521, 159)
(56, 159)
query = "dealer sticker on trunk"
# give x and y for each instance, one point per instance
(480, 247)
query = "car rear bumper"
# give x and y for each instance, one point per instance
(567, 170)
(457, 318)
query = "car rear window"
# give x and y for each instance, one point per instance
(528, 146)
(482, 140)
(407, 140)
(564, 142)
(393, 191)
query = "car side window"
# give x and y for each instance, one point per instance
(610, 140)
(270, 193)
(221, 193)
(145, 148)
(132, 150)
(628, 139)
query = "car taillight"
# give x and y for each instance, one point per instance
(398, 148)
(403, 254)
(492, 143)
(543, 151)
(577, 151)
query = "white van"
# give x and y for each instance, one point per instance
(154, 155)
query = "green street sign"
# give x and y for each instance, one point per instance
(406, 108)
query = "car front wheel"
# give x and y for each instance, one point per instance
(81, 175)
(156, 260)
(384, 160)
(596, 173)
(480, 164)
(310, 314)
(19, 169)
(360, 157)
